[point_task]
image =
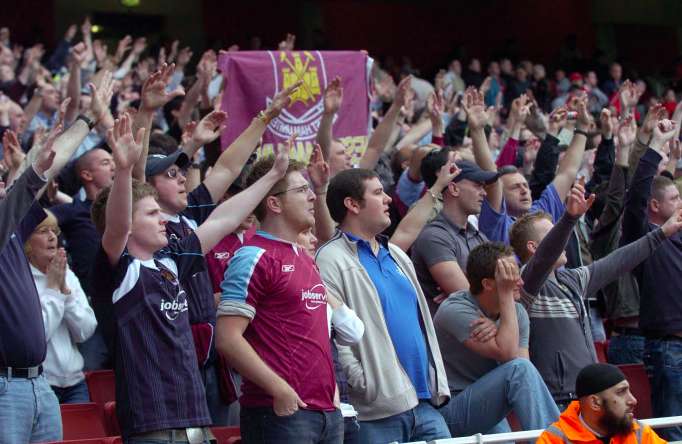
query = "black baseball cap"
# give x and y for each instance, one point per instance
(472, 172)
(158, 163)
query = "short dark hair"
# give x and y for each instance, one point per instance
(431, 165)
(659, 184)
(482, 262)
(165, 142)
(348, 183)
(99, 206)
(259, 169)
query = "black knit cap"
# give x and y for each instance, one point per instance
(597, 377)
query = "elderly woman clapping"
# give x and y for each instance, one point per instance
(67, 316)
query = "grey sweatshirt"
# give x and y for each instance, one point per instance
(560, 338)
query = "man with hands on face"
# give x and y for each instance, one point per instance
(490, 377)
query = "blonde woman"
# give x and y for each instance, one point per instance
(67, 316)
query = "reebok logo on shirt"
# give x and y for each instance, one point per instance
(288, 268)
(221, 256)
(314, 300)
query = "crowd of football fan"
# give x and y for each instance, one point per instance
(496, 227)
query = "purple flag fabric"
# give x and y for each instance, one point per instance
(254, 77)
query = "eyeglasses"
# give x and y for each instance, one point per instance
(303, 189)
(46, 229)
(173, 173)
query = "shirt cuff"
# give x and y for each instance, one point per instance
(232, 308)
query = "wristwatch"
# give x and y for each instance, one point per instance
(263, 117)
(87, 121)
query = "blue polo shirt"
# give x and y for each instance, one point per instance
(401, 312)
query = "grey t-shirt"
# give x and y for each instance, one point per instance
(452, 321)
(441, 241)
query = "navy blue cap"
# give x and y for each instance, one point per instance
(474, 173)
(158, 163)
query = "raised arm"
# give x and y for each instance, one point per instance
(569, 165)
(411, 225)
(119, 211)
(154, 96)
(21, 195)
(377, 142)
(635, 217)
(477, 118)
(541, 264)
(230, 163)
(228, 215)
(73, 89)
(624, 259)
(333, 98)
(318, 172)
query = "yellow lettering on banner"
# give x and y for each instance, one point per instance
(301, 151)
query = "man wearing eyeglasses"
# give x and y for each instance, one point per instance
(272, 323)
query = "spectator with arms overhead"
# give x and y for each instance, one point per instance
(143, 272)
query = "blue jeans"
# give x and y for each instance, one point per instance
(95, 352)
(29, 411)
(221, 414)
(351, 431)
(262, 426)
(422, 423)
(625, 349)
(513, 386)
(75, 394)
(663, 359)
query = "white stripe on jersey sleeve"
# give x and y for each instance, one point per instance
(128, 282)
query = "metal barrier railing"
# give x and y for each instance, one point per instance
(534, 434)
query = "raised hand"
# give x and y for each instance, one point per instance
(101, 96)
(404, 92)
(125, 148)
(187, 133)
(281, 100)
(279, 167)
(154, 94)
(576, 204)
(663, 132)
(100, 51)
(288, 43)
(474, 106)
(557, 120)
(606, 123)
(78, 54)
(209, 128)
(628, 94)
(507, 277)
(584, 119)
(46, 152)
(139, 46)
(656, 113)
(333, 96)
(674, 224)
(435, 105)
(13, 155)
(123, 47)
(627, 132)
(447, 174)
(318, 170)
(520, 108)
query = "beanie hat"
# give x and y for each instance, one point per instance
(597, 377)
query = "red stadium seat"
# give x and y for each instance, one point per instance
(111, 418)
(227, 435)
(640, 388)
(82, 421)
(601, 347)
(101, 385)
